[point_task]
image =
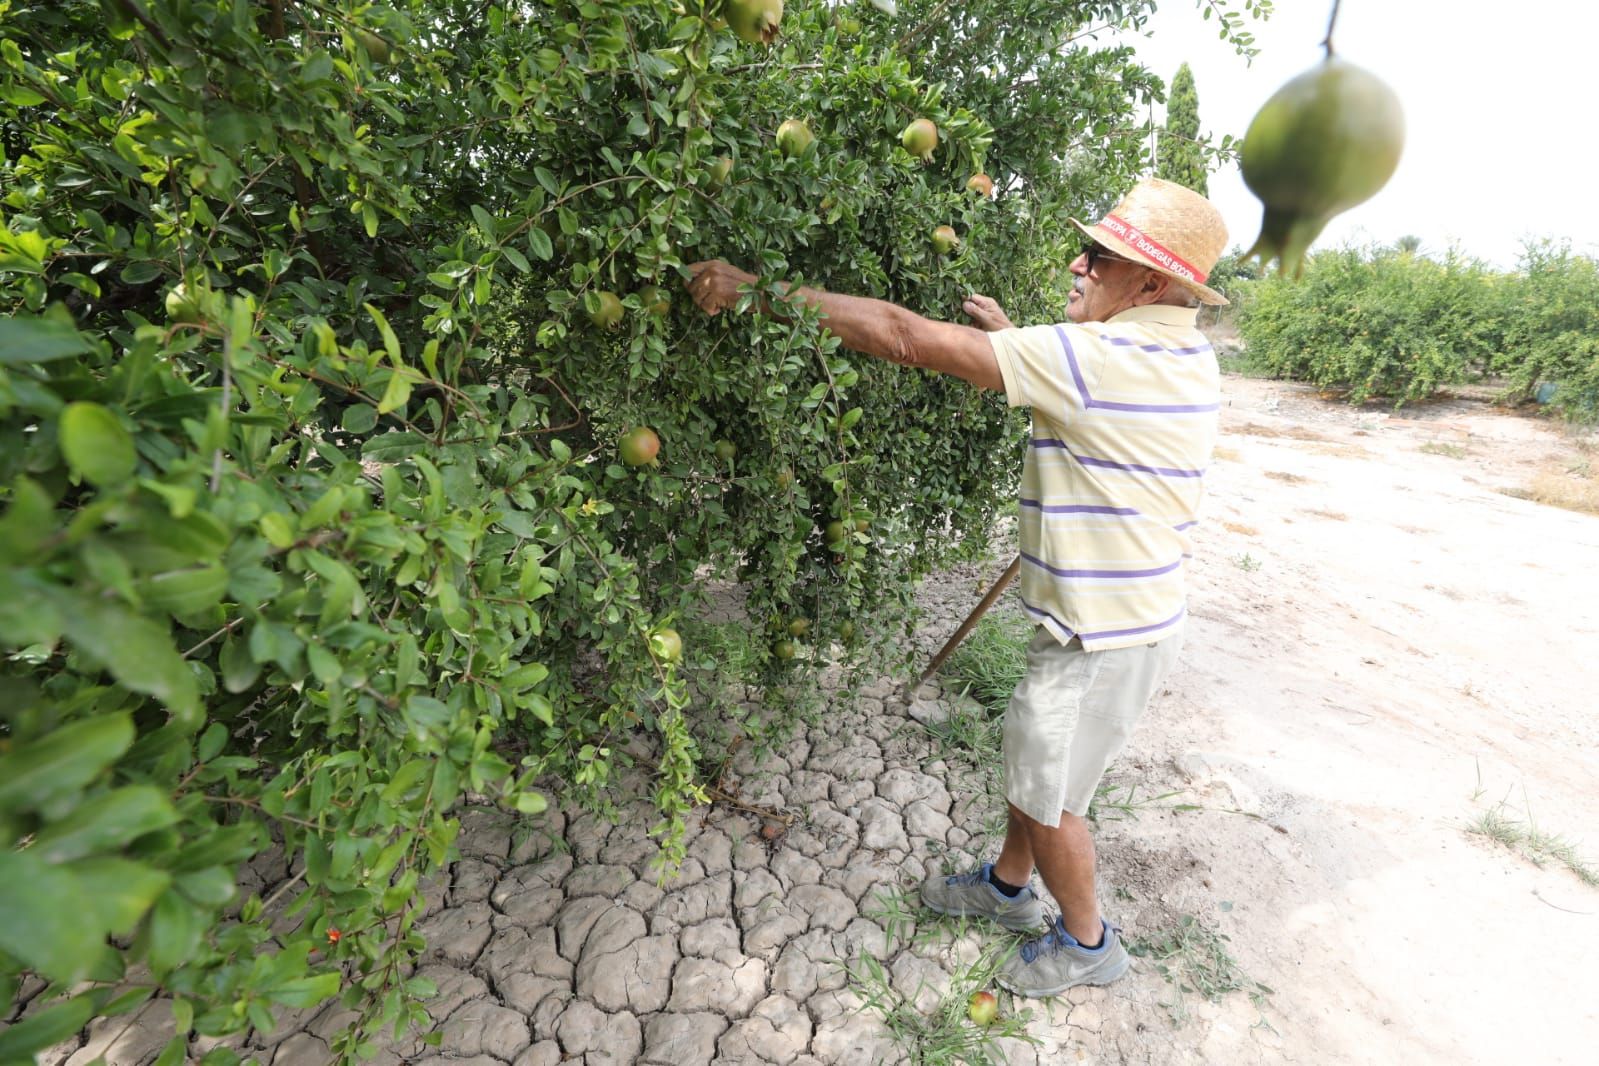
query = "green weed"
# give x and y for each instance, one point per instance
(1194, 958)
(1536, 845)
(992, 659)
(944, 1036)
(1453, 451)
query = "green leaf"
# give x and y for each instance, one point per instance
(135, 650)
(28, 522)
(184, 591)
(305, 991)
(359, 418)
(61, 762)
(175, 1052)
(538, 242)
(213, 887)
(392, 447)
(95, 444)
(107, 822)
(517, 259)
(49, 1027)
(44, 927)
(239, 668)
(21, 95)
(278, 529)
(212, 741)
(120, 891)
(391, 343)
(484, 220)
(396, 393)
(139, 272)
(39, 339)
(173, 932)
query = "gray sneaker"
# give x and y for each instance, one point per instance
(1056, 961)
(973, 895)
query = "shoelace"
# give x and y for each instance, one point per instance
(1052, 940)
(1056, 939)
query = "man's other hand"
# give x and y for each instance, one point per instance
(714, 285)
(985, 313)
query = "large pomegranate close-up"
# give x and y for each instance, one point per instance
(1324, 142)
(793, 137)
(754, 21)
(920, 138)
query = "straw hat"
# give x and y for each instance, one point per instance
(1170, 229)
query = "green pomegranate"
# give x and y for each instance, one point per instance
(981, 184)
(725, 450)
(945, 240)
(793, 137)
(639, 446)
(183, 304)
(654, 300)
(608, 312)
(667, 645)
(1324, 142)
(920, 138)
(719, 170)
(754, 21)
(375, 46)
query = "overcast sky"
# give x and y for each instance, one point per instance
(1500, 113)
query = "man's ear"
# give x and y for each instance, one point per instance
(1153, 289)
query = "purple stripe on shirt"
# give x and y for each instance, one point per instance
(1135, 630)
(1059, 572)
(1137, 408)
(1078, 508)
(1184, 525)
(1068, 630)
(1086, 460)
(1125, 342)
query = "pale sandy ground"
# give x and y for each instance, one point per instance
(1383, 644)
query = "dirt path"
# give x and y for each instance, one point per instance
(1383, 646)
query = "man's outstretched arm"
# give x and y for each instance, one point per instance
(875, 327)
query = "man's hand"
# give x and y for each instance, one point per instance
(985, 313)
(715, 284)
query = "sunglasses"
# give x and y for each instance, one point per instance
(1094, 252)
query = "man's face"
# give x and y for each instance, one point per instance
(1106, 285)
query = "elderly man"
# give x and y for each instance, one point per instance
(1124, 401)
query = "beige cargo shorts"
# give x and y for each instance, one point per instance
(1071, 716)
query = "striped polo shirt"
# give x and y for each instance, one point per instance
(1124, 419)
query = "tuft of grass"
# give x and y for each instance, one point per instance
(944, 1036)
(992, 659)
(1571, 491)
(1435, 447)
(1536, 845)
(1247, 562)
(1194, 958)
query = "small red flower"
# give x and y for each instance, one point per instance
(333, 936)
